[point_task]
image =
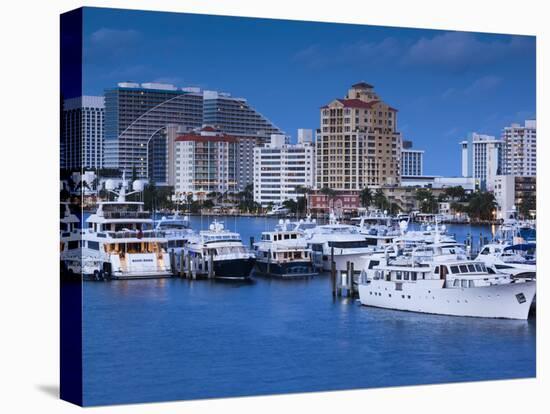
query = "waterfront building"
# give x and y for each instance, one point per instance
(520, 149)
(205, 162)
(342, 203)
(482, 159)
(412, 160)
(82, 132)
(279, 168)
(510, 191)
(358, 144)
(136, 116)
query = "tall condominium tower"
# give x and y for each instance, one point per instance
(520, 149)
(358, 144)
(136, 116)
(82, 132)
(234, 116)
(482, 159)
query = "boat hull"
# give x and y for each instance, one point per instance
(233, 268)
(287, 270)
(510, 301)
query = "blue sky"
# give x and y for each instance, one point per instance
(444, 84)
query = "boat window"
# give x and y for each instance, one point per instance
(463, 269)
(349, 244)
(413, 275)
(490, 271)
(293, 236)
(436, 271)
(485, 251)
(479, 268)
(471, 283)
(399, 286)
(93, 245)
(464, 283)
(73, 244)
(398, 275)
(471, 268)
(406, 275)
(501, 266)
(287, 236)
(456, 283)
(455, 269)
(373, 263)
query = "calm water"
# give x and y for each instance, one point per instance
(154, 340)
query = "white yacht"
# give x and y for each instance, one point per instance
(230, 258)
(517, 260)
(304, 224)
(284, 253)
(436, 279)
(344, 241)
(177, 231)
(120, 242)
(70, 242)
(278, 210)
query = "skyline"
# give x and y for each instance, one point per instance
(444, 84)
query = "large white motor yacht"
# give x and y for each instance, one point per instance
(344, 243)
(436, 279)
(120, 242)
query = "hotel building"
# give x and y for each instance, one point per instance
(280, 167)
(205, 161)
(82, 132)
(520, 149)
(482, 159)
(358, 144)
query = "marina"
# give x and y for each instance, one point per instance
(298, 326)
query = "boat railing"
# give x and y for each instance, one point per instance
(128, 234)
(126, 214)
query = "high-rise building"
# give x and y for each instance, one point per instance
(136, 116)
(82, 132)
(235, 116)
(412, 160)
(520, 149)
(482, 159)
(205, 162)
(358, 144)
(279, 168)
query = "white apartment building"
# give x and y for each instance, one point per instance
(205, 162)
(520, 149)
(511, 191)
(482, 159)
(280, 167)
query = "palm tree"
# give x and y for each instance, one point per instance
(302, 198)
(380, 200)
(366, 197)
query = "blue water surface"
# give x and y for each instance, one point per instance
(155, 340)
